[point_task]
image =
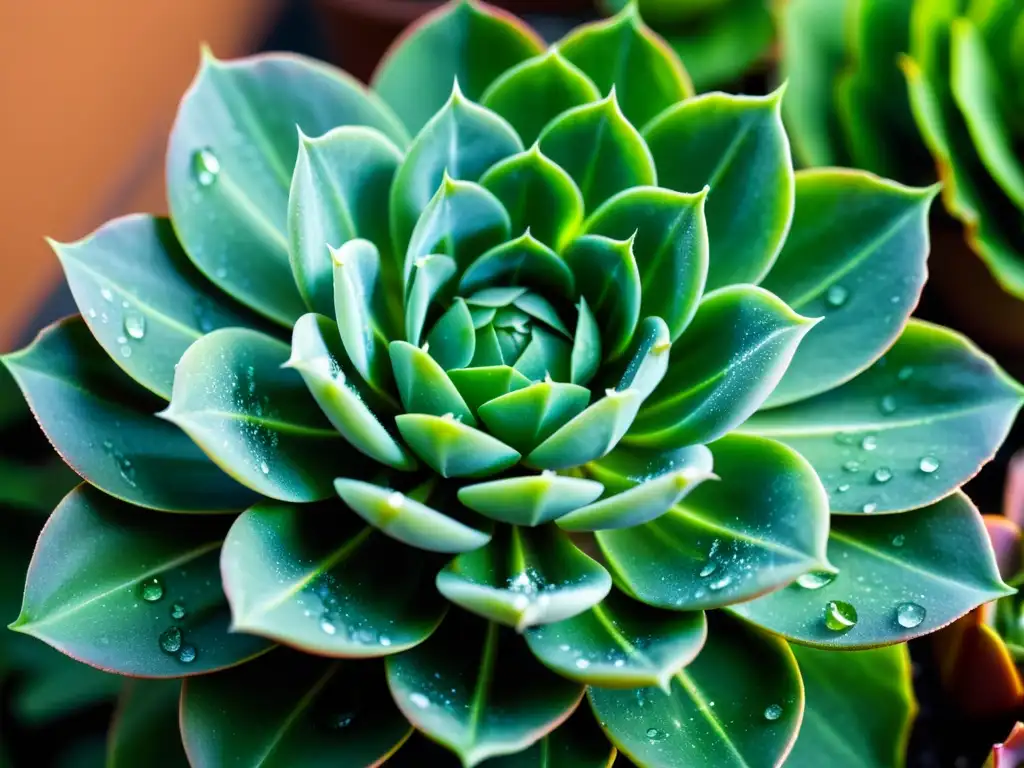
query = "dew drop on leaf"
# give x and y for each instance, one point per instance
(419, 700)
(126, 351)
(655, 735)
(772, 712)
(177, 611)
(720, 583)
(170, 640)
(135, 325)
(869, 443)
(851, 466)
(928, 464)
(842, 488)
(582, 663)
(905, 373)
(887, 404)
(815, 579)
(708, 569)
(883, 475)
(264, 468)
(106, 294)
(152, 590)
(205, 167)
(327, 626)
(898, 540)
(840, 615)
(837, 296)
(909, 615)
(868, 508)
(187, 654)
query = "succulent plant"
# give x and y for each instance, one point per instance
(717, 40)
(960, 112)
(484, 399)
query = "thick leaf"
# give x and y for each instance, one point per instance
(870, 688)
(646, 361)
(627, 465)
(408, 520)
(527, 417)
(758, 528)
(537, 91)
(301, 576)
(897, 572)
(476, 689)
(624, 55)
(906, 432)
(577, 743)
(525, 577)
(106, 582)
(466, 42)
(318, 355)
(424, 386)
(429, 277)
(599, 149)
(255, 418)
(145, 726)
(322, 713)
(452, 340)
(864, 277)
(524, 261)
(591, 435)
(454, 449)
(621, 644)
(720, 372)
(538, 195)
(737, 146)
(670, 245)
(716, 712)
(230, 160)
(480, 385)
(530, 500)
(102, 426)
(142, 298)
(339, 191)
(461, 142)
(586, 346)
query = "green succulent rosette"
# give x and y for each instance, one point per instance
(960, 112)
(525, 402)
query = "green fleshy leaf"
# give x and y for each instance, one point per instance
(480, 385)
(230, 160)
(870, 688)
(254, 418)
(624, 55)
(297, 575)
(586, 346)
(462, 220)
(321, 709)
(546, 356)
(453, 449)
(628, 465)
(540, 308)
(599, 149)
(714, 713)
(524, 261)
(407, 520)
(591, 434)
(527, 417)
(497, 297)
(864, 278)
(897, 574)
(452, 341)
(142, 298)
(720, 371)
(144, 730)
(535, 92)
(728, 540)
(530, 500)
(538, 195)
(578, 743)
(339, 192)
(621, 644)
(737, 146)
(646, 362)
(906, 432)
(102, 425)
(424, 386)
(476, 689)
(361, 311)
(465, 42)
(429, 276)
(525, 577)
(318, 355)
(103, 582)
(608, 278)
(670, 244)
(460, 142)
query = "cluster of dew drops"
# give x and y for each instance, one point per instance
(171, 640)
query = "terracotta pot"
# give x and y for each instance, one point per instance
(360, 31)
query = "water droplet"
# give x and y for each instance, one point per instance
(205, 166)
(582, 663)
(869, 443)
(384, 640)
(187, 654)
(840, 616)
(842, 488)
(655, 735)
(264, 468)
(816, 579)
(126, 351)
(341, 720)
(152, 590)
(772, 712)
(887, 404)
(92, 312)
(327, 626)
(928, 464)
(619, 663)
(720, 583)
(135, 325)
(170, 640)
(106, 294)
(177, 611)
(883, 475)
(836, 296)
(905, 373)
(419, 700)
(851, 466)
(868, 508)
(708, 569)
(898, 540)
(909, 615)
(395, 500)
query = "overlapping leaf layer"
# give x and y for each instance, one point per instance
(480, 392)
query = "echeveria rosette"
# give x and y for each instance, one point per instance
(960, 112)
(525, 378)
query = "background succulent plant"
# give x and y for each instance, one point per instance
(557, 383)
(959, 112)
